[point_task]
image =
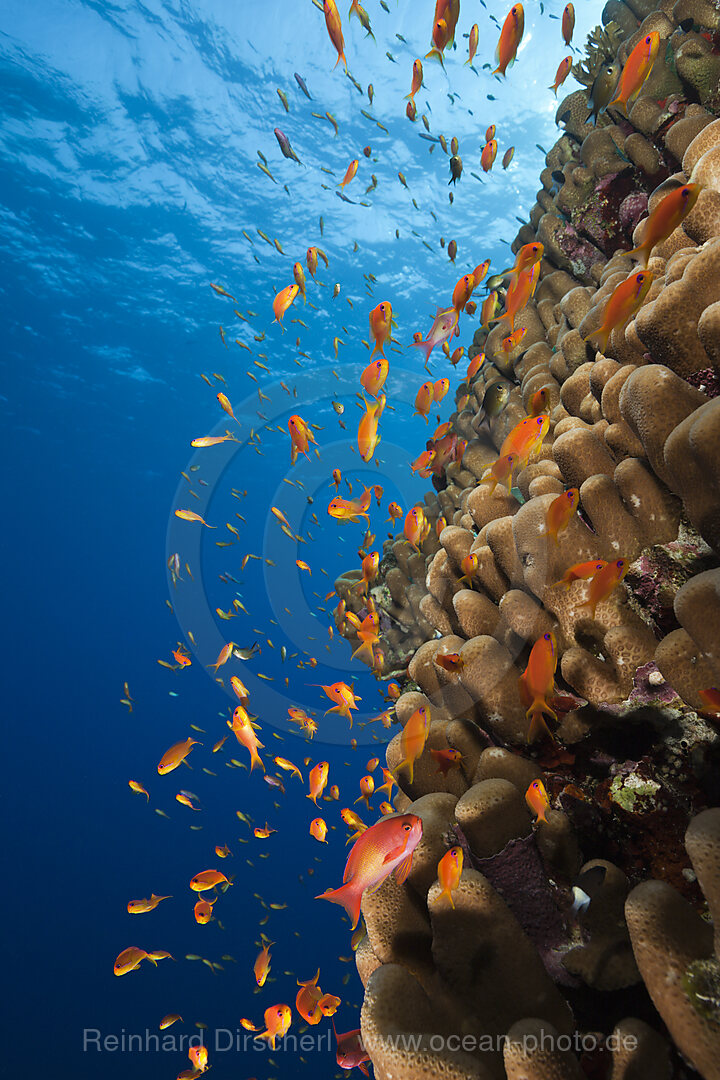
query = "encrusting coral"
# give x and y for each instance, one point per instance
(635, 749)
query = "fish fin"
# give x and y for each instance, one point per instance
(347, 897)
(403, 869)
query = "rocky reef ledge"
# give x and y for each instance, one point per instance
(514, 981)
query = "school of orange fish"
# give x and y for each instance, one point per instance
(387, 846)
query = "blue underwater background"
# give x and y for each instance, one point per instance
(129, 147)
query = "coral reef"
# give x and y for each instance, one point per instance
(635, 757)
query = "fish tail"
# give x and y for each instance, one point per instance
(255, 759)
(408, 764)
(536, 715)
(348, 897)
(364, 651)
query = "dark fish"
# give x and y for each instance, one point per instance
(564, 118)
(343, 196)
(401, 38)
(522, 222)
(391, 57)
(686, 25)
(558, 176)
(542, 148)
(355, 83)
(496, 398)
(490, 97)
(367, 115)
(286, 148)
(427, 138)
(301, 83)
(602, 89)
(456, 168)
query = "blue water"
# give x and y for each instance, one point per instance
(128, 152)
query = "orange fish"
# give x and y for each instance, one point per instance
(279, 1017)
(311, 258)
(463, 291)
(380, 326)
(370, 566)
(508, 156)
(490, 133)
(351, 170)
(395, 512)
(526, 437)
(344, 699)
(537, 684)
(350, 509)
(711, 700)
(373, 377)
(414, 525)
(474, 366)
(240, 689)
(261, 967)
(560, 511)
(417, 78)
(139, 907)
(568, 23)
(386, 846)
(473, 43)
(424, 399)
(561, 74)
(637, 68)
(604, 581)
(449, 870)
(317, 780)
(580, 572)
(283, 300)
(539, 402)
(175, 756)
(457, 354)
(318, 829)
(510, 38)
(223, 656)
(245, 735)
(440, 39)
(128, 960)
(488, 155)
(528, 256)
(137, 787)
(203, 911)
(513, 340)
(501, 471)
(488, 309)
(412, 740)
(625, 301)
(446, 759)
(368, 437)
(665, 218)
(519, 291)
(190, 515)
(334, 29)
(423, 463)
(207, 879)
(537, 799)
(451, 661)
(367, 789)
(300, 437)
(307, 1001)
(263, 832)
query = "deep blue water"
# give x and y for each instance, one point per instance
(128, 152)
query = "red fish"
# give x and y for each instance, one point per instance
(446, 759)
(350, 1052)
(501, 471)
(417, 78)
(386, 846)
(568, 23)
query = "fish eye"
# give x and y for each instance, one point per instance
(620, 562)
(546, 637)
(406, 827)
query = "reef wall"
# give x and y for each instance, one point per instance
(634, 765)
